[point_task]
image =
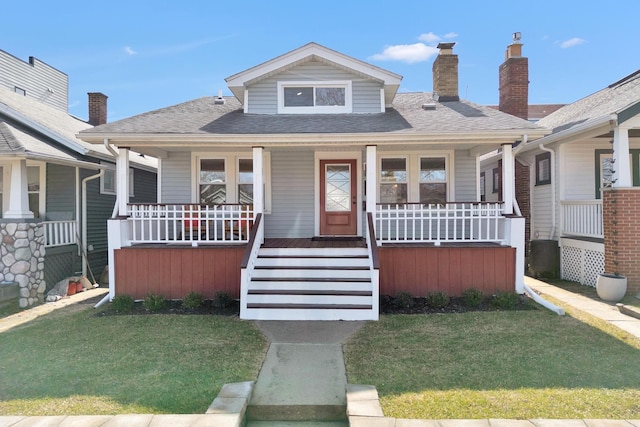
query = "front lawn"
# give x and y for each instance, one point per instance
(80, 363)
(524, 365)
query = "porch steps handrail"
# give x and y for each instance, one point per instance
(441, 222)
(256, 237)
(60, 233)
(582, 218)
(374, 265)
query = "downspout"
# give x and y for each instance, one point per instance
(115, 156)
(552, 166)
(114, 214)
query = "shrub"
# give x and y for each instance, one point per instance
(404, 299)
(473, 297)
(437, 299)
(505, 300)
(222, 300)
(122, 303)
(153, 302)
(193, 300)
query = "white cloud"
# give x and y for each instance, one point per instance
(429, 38)
(408, 53)
(572, 42)
(450, 35)
(129, 51)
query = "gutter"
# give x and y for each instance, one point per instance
(84, 220)
(543, 302)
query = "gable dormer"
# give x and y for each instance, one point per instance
(314, 80)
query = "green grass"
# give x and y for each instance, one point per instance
(525, 364)
(83, 364)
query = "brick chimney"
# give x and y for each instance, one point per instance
(514, 81)
(97, 108)
(445, 74)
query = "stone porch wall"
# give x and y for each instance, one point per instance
(22, 259)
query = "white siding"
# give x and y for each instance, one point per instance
(176, 178)
(465, 176)
(39, 80)
(263, 96)
(292, 195)
(578, 166)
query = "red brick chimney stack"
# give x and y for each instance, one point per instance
(445, 74)
(514, 81)
(97, 108)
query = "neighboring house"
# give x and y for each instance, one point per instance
(57, 191)
(587, 170)
(349, 189)
(577, 187)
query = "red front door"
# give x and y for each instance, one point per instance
(338, 198)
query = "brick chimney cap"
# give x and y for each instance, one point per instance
(446, 46)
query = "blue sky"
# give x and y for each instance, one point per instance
(146, 55)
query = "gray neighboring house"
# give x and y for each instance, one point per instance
(57, 191)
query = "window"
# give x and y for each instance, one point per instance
(496, 180)
(245, 181)
(605, 169)
(108, 181)
(433, 180)
(543, 169)
(213, 181)
(483, 196)
(393, 180)
(309, 97)
(33, 188)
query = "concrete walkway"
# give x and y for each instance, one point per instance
(305, 365)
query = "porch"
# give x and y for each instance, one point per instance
(417, 248)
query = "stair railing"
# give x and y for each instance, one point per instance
(374, 266)
(256, 237)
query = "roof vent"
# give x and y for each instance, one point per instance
(219, 99)
(428, 107)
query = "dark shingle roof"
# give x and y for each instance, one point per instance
(204, 116)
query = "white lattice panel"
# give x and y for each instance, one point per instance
(581, 261)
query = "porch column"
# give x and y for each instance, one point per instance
(258, 180)
(622, 174)
(122, 180)
(19, 191)
(508, 193)
(372, 175)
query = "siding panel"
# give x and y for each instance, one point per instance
(365, 93)
(465, 176)
(176, 178)
(292, 195)
(61, 191)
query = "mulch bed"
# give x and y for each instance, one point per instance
(388, 305)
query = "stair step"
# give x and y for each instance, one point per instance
(312, 262)
(319, 252)
(303, 299)
(298, 423)
(277, 286)
(309, 292)
(289, 313)
(292, 273)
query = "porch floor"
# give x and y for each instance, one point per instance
(315, 242)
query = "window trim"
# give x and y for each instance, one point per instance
(112, 169)
(483, 184)
(407, 166)
(446, 174)
(546, 156)
(495, 187)
(348, 104)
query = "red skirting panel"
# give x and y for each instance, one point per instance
(421, 270)
(174, 272)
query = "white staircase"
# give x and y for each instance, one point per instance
(311, 284)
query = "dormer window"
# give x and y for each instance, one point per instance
(314, 97)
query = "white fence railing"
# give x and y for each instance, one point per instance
(192, 223)
(582, 218)
(60, 233)
(437, 223)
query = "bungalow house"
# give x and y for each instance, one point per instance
(582, 186)
(315, 188)
(56, 192)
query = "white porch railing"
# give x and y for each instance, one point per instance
(192, 223)
(436, 223)
(60, 233)
(582, 218)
